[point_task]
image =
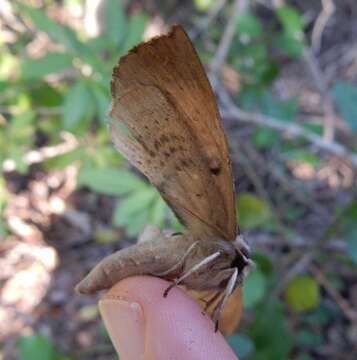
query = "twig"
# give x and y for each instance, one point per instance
(36, 156)
(327, 103)
(250, 171)
(227, 37)
(13, 110)
(328, 8)
(266, 240)
(300, 266)
(287, 184)
(204, 23)
(231, 112)
(350, 313)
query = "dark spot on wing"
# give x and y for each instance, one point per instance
(157, 144)
(214, 166)
(164, 138)
(215, 170)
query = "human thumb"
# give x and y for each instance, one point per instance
(143, 325)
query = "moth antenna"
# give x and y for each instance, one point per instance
(204, 262)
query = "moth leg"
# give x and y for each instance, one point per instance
(231, 285)
(209, 302)
(202, 263)
(179, 263)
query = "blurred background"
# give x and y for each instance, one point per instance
(285, 76)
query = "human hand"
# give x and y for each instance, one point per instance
(143, 325)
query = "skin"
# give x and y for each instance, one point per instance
(143, 325)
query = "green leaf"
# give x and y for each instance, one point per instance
(9, 65)
(241, 344)
(303, 156)
(351, 242)
(289, 45)
(45, 95)
(61, 161)
(35, 347)
(115, 21)
(135, 203)
(133, 212)
(303, 356)
(58, 33)
(3, 228)
(309, 338)
(254, 288)
(281, 109)
(48, 64)
(264, 138)
(347, 228)
(252, 97)
(263, 263)
(302, 293)
(109, 181)
(103, 235)
(267, 329)
(252, 211)
(203, 5)
(102, 102)
(322, 315)
(345, 95)
(315, 128)
(248, 24)
(77, 105)
(158, 211)
(290, 19)
(135, 31)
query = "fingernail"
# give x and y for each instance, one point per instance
(124, 321)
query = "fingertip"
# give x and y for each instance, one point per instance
(171, 328)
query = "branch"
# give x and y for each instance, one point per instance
(346, 308)
(44, 153)
(204, 23)
(328, 8)
(227, 38)
(232, 112)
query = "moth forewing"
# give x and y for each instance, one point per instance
(161, 94)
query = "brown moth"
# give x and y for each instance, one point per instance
(162, 95)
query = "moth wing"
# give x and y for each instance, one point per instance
(162, 95)
(231, 313)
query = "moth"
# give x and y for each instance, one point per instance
(162, 96)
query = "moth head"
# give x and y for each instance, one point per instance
(242, 260)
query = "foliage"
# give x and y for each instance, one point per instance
(302, 293)
(345, 95)
(253, 212)
(37, 347)
(65, 89)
